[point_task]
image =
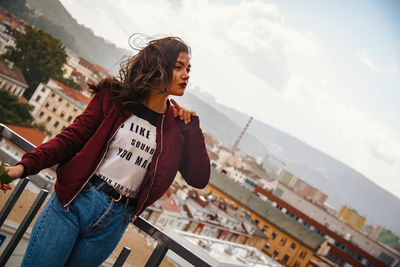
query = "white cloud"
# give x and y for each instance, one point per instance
(392, 71)
(363, 56)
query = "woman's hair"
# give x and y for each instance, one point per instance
(150, 69)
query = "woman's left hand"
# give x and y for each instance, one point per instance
(183, 113)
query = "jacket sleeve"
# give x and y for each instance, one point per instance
(195, 164)
(67, 143)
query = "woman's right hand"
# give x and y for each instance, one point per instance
(14, 172)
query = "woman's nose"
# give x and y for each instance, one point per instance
(185, 75)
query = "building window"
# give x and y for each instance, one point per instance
(75, 109)
(41, 114)
(265, 229)
(69, 118)
(276, 253)
(267, 246)
(68, 105)
(56, 124)
(60, 99)
(273, 235)
(285, 259)
(38, 98)
(49, 118)
(386, 258)
(303, 254)
(53, 95)
(62, 114)
(296, 264)
(54, 109)
(43, 89)
(47, 105)
(283, 241)
(292, 246)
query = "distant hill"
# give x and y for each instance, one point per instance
(52, 17)
(341, 183)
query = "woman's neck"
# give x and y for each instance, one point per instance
(156, 102)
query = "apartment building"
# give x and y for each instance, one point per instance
(288, 241)
(346, 244)
(351, 217)
(11, 78)
(302, 188)
(56, 106)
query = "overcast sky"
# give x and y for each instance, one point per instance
(326, 72)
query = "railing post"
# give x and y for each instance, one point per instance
(12, 199)
(22, 227)
(122, 257)
(157, 256)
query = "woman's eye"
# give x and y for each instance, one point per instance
(177, 67)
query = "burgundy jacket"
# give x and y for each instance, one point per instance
(80, 148)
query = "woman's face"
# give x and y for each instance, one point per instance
(180, 75)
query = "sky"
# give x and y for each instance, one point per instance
(326, 72)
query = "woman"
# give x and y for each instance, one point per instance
(118, 157)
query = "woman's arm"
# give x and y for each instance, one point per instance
(195, 165)
(67, 143)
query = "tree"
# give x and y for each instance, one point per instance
(14, 112)
(40, 57)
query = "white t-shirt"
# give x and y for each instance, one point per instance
(130, 152)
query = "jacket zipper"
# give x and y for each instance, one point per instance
(155, 167)
(104, 154)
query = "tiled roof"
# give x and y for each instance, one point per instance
(33, 135)
(14, 73)
(85, 63)
(100, 69)
(72, 93)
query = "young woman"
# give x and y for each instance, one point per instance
(118, 157)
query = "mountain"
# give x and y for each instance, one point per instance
(342, 184)
(52, 17)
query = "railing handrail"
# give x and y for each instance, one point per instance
(15, 138)
(164, 242)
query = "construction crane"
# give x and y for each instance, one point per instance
(241, 135)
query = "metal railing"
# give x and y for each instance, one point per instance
(164, 242)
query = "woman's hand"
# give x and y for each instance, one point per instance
(14, 172)
(183, 113)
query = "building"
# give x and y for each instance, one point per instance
(5, 40)
(11, 78)
(10, 27)
(302, 188)
(346, 244)
(388, 238)
(82, 72)
(288, 241)
(351, 217)
(56, 105)
(14, 26)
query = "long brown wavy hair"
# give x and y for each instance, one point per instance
(150, 69)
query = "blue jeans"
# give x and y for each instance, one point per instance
(83, 234)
